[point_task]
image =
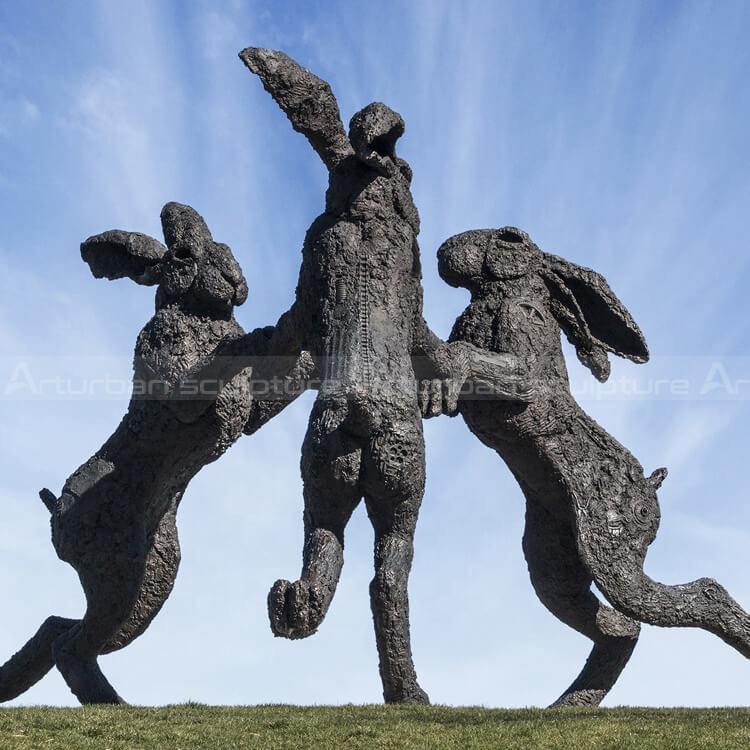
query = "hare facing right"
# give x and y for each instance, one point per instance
(590, 511)
(114, 521)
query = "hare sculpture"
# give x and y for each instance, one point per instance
(591, 513)
(114, 521)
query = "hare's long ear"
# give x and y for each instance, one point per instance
(117, 254)
(591, 315)
(306, 99)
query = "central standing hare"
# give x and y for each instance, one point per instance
(358, 310)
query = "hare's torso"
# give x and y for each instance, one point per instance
(361, 281)
(514, 317)
(173, 342)
(151, 456)
(559, 455)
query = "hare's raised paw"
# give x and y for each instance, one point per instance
(294, 609)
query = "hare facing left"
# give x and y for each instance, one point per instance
(591, 512)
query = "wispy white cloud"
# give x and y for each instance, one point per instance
(17, 113)
(129, 114)
(689, 434)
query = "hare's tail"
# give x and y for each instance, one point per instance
(48, 498)
(26, 667)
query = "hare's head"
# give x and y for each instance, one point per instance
(191, 267)
(478, 257)
(373, 133)
(580, 300)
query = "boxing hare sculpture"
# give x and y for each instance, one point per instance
(358, 311)
(115, 519)
(590, 511)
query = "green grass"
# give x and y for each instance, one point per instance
(220, 728)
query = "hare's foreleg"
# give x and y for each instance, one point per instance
(563, 585)
(394, 486)
(615, 561)
(27, 666)
(111, 577)
(330, 473)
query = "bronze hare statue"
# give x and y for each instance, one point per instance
(591, 513)
(114, 521)
(358, 311)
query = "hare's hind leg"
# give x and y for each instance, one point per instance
(111, 580)
(615, 562)
(27, 666)
(162, 562)
(394, 487)
(330, 473)
(563, 585)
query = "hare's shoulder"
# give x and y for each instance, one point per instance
(477, 323)
(174, 341)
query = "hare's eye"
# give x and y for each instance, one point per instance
(182, 253)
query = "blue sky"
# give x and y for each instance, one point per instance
(614, 133)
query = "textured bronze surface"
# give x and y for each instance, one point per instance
(590, 510)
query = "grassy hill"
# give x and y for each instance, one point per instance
(219, 728)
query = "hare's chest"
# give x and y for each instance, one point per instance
(522, 325)
(173, 343)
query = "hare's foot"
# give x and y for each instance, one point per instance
(330, 473)
(605, 663)
(579, 698)
(412, 694)
(294, 609)
(82, 674)
(699, 604)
